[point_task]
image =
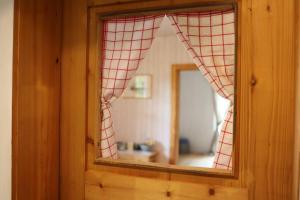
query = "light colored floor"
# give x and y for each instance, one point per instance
(196, 160)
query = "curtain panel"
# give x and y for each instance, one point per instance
(125, 43)
(209, 37)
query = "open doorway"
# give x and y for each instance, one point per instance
(197, 115)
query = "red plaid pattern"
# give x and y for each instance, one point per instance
(209, 37)
(125, 43)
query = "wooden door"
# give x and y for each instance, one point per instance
(266, 89)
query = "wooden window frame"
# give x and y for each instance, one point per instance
(96, 16)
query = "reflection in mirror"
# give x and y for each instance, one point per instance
(199, 114)
(168, 89)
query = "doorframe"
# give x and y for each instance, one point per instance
(175, 105)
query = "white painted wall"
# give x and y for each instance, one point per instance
(197, 119)
(135, 119)
(6, 45)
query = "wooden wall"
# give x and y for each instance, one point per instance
(297, 127)
(36, 99)
(73, 99)
(266, 96)
(266, 99)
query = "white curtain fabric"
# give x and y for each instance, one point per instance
(125, 43)
(209, 37)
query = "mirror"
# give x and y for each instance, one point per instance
(198, 114)
(168, 89)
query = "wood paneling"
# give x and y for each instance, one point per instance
(36, 96)
(297, 127)
(95, 3)
(273, 97)
(167, 175)
(265, 121)
(115, 187)
(73, 101)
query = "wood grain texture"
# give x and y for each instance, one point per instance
(296, 188)
(95, 3)
(93, 99)
(36, 96)
(264, 122)
(273, 97)
(115, 187)
(162, 175)
(73, 101)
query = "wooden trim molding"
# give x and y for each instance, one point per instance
(73, 113)
(175, 92)
(94, 91)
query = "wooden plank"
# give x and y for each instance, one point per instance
(296, 188)
(114, 187)
(273, 97)
(36, 96)
(244, 163)
(107, 2)
(95, 3)
(93, 83)
(73, 101)
(158, 6)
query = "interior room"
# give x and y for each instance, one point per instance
(149, 100)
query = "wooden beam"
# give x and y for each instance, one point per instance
(273, 97)
(73, 101)
(36, 99)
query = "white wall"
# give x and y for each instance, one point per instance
(135, 119)
(6, 37)
(197, 120)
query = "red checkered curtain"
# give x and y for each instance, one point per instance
(209, 37)
(125, 43)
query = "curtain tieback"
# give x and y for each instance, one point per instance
(105, 104)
